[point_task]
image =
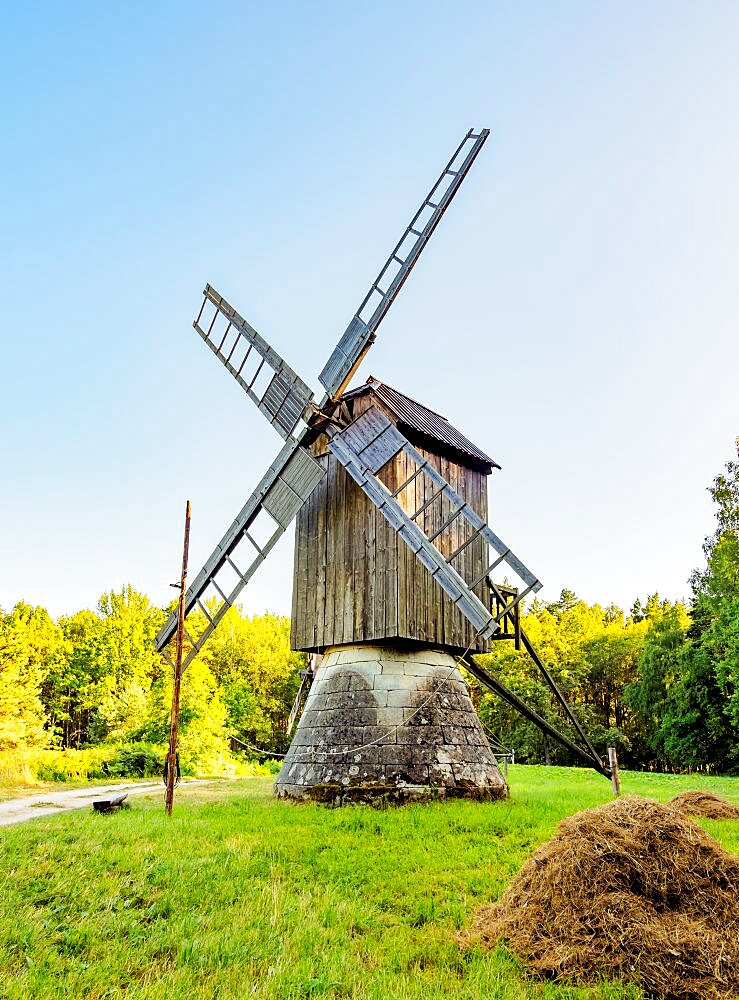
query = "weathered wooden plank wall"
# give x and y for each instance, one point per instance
(355, 581)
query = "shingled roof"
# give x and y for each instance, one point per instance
(418, 421)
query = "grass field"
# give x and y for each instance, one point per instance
(240, 896)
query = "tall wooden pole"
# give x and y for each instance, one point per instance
(174, 718)
(615, 776)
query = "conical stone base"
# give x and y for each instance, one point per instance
(347, 747)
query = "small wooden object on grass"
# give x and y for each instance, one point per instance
(110, 805)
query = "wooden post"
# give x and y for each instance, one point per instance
(174, 718)
(613, 763)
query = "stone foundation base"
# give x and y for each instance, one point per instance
(385, 725)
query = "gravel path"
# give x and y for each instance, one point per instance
(50, 803)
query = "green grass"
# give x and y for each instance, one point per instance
(241, 896)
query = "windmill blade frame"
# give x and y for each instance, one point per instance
(267, 379)
(283, 490)
(360, 334)
(371, 441)
(450, 581)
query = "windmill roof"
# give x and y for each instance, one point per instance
(420, 420)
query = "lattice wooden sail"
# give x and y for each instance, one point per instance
(287, 403)
(364, 448)
(268, 380)
(264, 518)
(360, 334)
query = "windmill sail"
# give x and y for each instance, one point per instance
(360, 333)
(265, 377)
(372, 441)
(467, 602)
(263, 519)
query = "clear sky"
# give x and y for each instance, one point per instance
(575, 313)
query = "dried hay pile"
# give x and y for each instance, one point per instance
(630, 889)
(706, 804)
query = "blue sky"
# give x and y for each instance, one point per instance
(574, 314)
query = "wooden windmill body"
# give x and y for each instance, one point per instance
(388, 714)
(394, 563)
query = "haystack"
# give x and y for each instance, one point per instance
(708, 804)
(631, 889)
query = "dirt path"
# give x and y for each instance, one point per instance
(50, 803)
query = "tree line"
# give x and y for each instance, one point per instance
(658, 682)
(94, 678)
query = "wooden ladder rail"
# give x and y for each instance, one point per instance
(550, 681)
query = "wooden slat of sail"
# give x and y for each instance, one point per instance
(376, 441)
(284, 397)
(288, 483)
(444, 575)
(362, 328)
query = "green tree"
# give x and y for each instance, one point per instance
(71, 687)
(701, 725)
(592, 653)
(658, 670)
(29, 648)
(257, 671)
(202, 732)
(126, 663)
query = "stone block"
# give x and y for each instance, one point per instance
(393, 667)
(402, 698)
(352, 654)
(350, 698)
(441, 774)
(319, 722)
(415, 669)
(476, 738)
(392, 682)
(426, 736)
(349, 737)
(357, 716)
(456, 717)
(308, 718)
(448, 755)
(458, 685)
(361, 680)
(474, 774)
(336, 681)
(454, 736)
(408, 774)
(319, 702)
(432, 657)
(447, 700)
(366, 757)
(316, 688)
(422, 716)
(391, 716)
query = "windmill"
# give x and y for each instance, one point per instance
(393, 584)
